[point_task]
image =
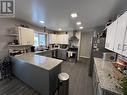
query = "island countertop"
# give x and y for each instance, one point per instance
(37, 71)
(46, 63)
(108, 75)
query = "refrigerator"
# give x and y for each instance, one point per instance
(98, 47)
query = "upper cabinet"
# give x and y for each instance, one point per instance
(26, 36)
(110, 39)
(124, 51)
(116, 39)
(58, 38)
(52, 38)
(23, 36)
(120, 33)
(63, 38)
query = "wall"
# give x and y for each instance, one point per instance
(5, 24)
(85, 44)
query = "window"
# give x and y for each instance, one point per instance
(39, 39)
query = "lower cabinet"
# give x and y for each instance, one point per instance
(62, 54)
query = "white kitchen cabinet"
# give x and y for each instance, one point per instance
(52, 38)
(120, 33)
(63, 39)
(124, 51)
(26, 36)
(110, 38)
(58, 38)
(120, 43)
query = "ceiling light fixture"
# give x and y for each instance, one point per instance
(60, 29)
(74, 15)
(42, 22)
(81, 27)
(79, 23)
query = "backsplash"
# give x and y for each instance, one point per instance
(122, 58)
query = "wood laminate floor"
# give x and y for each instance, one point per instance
(79, 84)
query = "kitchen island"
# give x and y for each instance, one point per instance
(37, 71)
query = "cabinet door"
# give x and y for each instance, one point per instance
(26, 36)
(120, 33)
(58, 39)
(30, 37)
(23, 36)
(124, 52)
(52, 38)
(63, 54)
(62, 39)
(65, 38)
(110, 37)
(59, 54)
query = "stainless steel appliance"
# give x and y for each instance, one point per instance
(109, 56)
(98, 47)
(72, 54)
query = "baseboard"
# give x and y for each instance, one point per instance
(84, 57)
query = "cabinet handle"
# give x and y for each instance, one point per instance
(124, 47)
(118, 46)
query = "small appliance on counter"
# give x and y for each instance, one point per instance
(109, 56)
(54, 46)
(16, 52)
(32, 48)
(121, 66)
(15, 42)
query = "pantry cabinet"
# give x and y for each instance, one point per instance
(26, 36)
(111, 33)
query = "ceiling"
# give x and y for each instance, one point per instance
(56, 13)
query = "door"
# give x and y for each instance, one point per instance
(110, 37)
(120, 33)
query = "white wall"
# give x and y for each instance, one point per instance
(85, 44)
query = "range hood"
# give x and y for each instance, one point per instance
(74, 38)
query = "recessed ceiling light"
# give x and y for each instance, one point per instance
(81, 27)
(42, 22)
(60, 29)
(79, 23)
(74, 15)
